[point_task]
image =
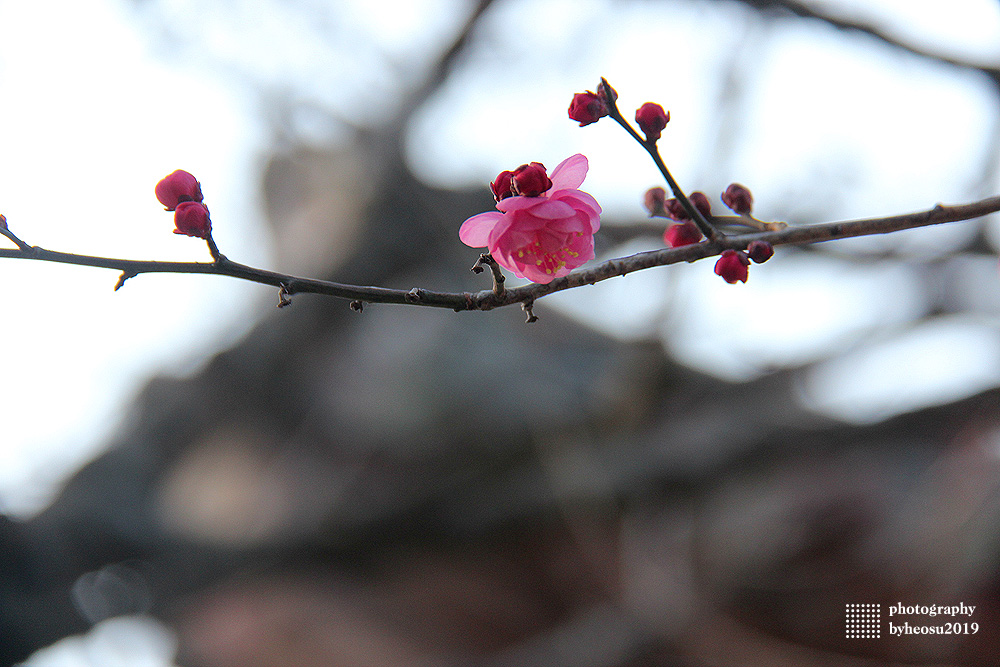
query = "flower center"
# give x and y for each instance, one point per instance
(553, 261)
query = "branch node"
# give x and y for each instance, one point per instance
(357, 305)
(21, 245)
(415, 295)
(470, 303)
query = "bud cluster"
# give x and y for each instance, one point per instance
(733, 264)
(180, 192)
(589, 107)
(652, 119)
(685, 232)
(528, 180)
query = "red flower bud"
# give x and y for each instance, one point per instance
(683, 233)
(701, 203)
(180, 186)
(738, 198)
(587, 108)
(191, 218)
(732, 266)
(676, 210)
(654, 200)
(760, 251)
(652, 119)
(502, 186)
(530, 180)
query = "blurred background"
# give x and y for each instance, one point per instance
(663, 470)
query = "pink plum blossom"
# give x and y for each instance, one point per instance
(541, 237)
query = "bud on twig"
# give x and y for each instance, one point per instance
(651, 120)
(732, 266)
(738, 198)
(587, 108)
(179, 186)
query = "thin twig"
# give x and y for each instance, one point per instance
(710, 232)
(214, 249)
(498, 278)
(24, 247)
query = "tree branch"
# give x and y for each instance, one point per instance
(527, 294)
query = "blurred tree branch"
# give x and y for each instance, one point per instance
(802, 10)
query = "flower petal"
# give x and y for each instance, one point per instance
(578, 199)
(475, 231)
(552, 210)
(569, 173)
(517, 203)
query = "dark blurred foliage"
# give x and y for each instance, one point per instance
(405, 486)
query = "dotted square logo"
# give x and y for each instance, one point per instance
(863, 621)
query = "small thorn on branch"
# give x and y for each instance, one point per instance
(123, 277)
(283, 295)
(498, 278)
(527, 307)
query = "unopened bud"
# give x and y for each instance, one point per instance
(587, 108)
(651, 119)
(760, 251)
(179, 186)
(191, 218)
(732, 266)
(700, 201)
(675, 209)
(738, 198)
(530, 180)
(502, 186)
(654, 201)
(682, 233)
